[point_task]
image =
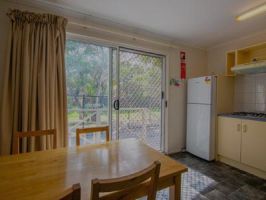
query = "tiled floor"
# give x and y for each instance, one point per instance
(216, 181)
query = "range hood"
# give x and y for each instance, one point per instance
(250, 68)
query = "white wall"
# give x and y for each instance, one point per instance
(82, 25)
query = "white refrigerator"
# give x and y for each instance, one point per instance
(201, 105)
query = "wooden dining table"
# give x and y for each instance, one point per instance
(48, 174)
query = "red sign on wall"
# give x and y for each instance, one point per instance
(182, 65)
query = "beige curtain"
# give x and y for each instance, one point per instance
(34, 91)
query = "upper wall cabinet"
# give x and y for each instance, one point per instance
(230, 62)
(247, 60)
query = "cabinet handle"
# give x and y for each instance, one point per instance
(245, 128)
(238, 127)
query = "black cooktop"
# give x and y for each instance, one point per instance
(246, 115)
(250, 114)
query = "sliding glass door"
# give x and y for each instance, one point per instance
(87, 78)
(116, 86)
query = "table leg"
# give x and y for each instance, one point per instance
(175, 190)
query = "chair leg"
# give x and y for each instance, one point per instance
(175, 190)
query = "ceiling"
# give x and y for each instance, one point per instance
(201, 23)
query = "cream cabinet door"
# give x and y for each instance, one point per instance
(229, 137)
(254, 144)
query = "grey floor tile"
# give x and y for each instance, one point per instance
(204, 188)
(262, 187)
(200, 197)
(216, 195)
(216, 180)
(235, 180)
(247, 192)
(226, 188)
(254, 181)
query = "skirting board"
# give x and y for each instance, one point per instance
(243, 167)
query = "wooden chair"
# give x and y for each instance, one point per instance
(72, 193)
(91, 130)
(128, 187)
(19, 135)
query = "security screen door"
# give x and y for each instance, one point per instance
(138, 96)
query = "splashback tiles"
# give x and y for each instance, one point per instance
(250, 93)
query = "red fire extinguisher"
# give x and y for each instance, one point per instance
(182, 65)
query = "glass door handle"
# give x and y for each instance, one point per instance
(116, 104)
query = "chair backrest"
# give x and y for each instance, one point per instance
(73, 193)
(91, 130)
(20, 135)
(127, 187)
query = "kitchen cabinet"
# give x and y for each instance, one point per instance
(229, 137)
(230, 62)
(253, 148)
(243, 141)
(244, 57)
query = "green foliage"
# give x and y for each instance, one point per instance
(140, 81)
(87, 73)
(87, 69)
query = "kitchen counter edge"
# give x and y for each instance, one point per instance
(242, 117)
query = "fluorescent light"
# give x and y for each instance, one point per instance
(252, 12)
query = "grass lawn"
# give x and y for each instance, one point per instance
(128, 114)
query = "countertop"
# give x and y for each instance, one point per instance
(242, 117)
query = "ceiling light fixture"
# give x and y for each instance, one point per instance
(252, 12)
